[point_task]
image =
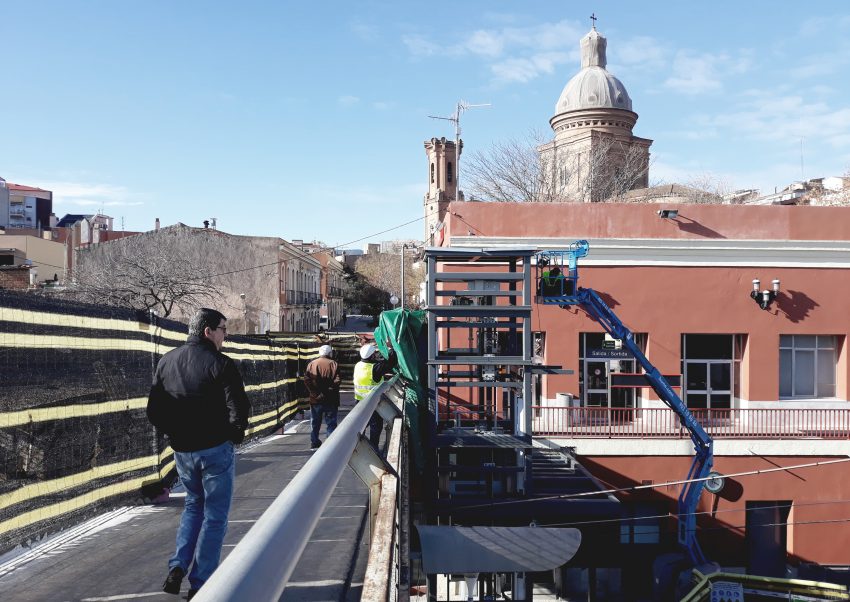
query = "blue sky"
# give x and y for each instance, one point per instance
(306, 119)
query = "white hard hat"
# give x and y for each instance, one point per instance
(325, 350)
(367, 350)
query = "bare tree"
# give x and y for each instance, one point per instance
(532, 170)
(511, 171)
(150, 271)
(612, 168)
(707, 188)
(383, 271)
(175, 270)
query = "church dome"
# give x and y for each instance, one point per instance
(593, 87)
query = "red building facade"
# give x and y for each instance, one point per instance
(769, 385)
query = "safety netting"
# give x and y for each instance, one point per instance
(74, 380)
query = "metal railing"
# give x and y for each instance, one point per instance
(259, 567)
(312, 299)
(294, 297)
(385, 578)
(762, 423)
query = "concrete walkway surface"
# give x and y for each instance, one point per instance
(123, 555)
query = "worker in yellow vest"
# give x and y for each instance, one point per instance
(550, 283)
(368, 374)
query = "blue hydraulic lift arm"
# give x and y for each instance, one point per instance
(592, 303)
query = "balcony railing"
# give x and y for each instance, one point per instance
(662, 423)
(302, 298)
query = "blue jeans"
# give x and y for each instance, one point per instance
(317, 410)
(208, 476)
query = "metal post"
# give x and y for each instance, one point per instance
(527, 349)
(403, 247)
(457, 149)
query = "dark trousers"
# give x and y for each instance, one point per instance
(376, 424)
(317, 410)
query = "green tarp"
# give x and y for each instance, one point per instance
(402, 328)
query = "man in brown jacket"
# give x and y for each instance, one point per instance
(322, 381)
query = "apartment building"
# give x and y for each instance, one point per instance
(300, 288)
(28, 207)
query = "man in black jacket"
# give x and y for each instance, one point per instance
(198, 400)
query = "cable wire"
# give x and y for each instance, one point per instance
(319, 250)
(630, 519)
(792, 523)
(652, 486)
(279, 261)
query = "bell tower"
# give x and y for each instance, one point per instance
(442, 182)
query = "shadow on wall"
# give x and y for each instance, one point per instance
(690, 226)
(608, 299)
(796, 305)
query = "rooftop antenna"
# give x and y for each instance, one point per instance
(802, 172)
(462, 106)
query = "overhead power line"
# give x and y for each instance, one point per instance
(277, 262)
(631, 519)
(319, 250)
(652, 486)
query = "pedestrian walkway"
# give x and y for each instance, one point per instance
(355, 323)
(123, 555)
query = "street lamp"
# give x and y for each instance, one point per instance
(394, 300)
(244, 311)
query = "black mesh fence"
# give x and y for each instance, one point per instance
(74, 379)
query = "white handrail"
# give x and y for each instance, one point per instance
(259, 567)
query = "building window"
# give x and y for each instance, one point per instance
(596, 365)
(641, 523)
(807, 366)
(711, 370)
(432, 173)
(449, 172)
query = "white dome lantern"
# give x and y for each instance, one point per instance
(593, 87)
